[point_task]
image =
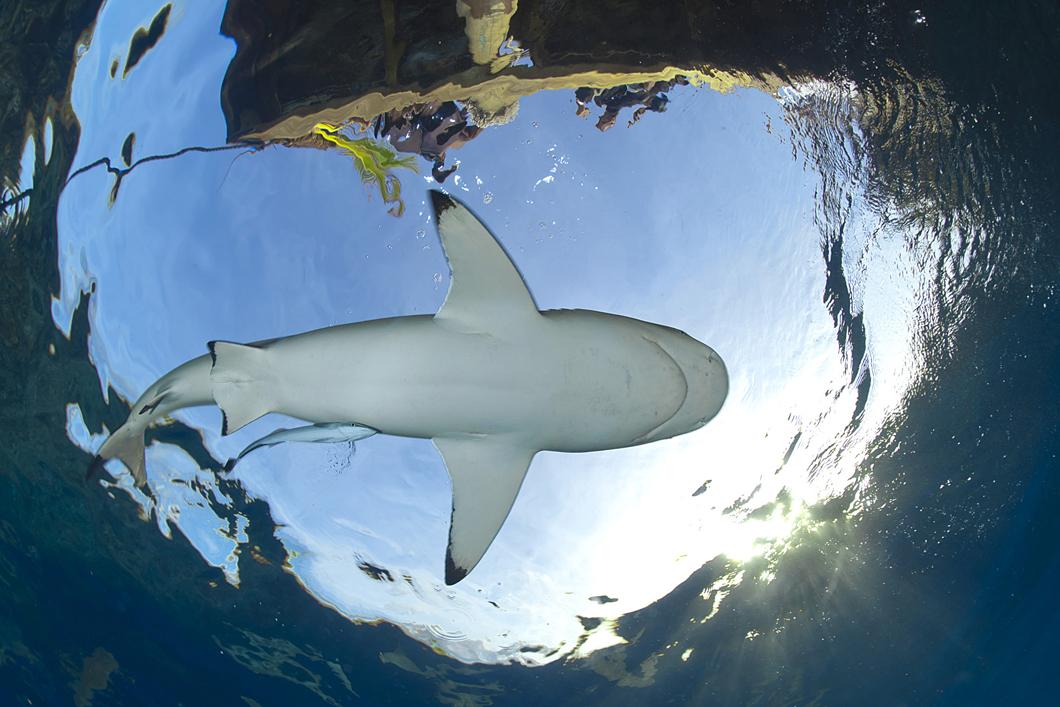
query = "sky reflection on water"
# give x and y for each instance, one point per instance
(700, 218)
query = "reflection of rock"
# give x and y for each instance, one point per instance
(603, 599)
(486, 27)
(283, 659)
(295, 56)
(451, 688)
(429, 130)
(377, 573)
(143, 40)
(611, 664)
(641, 97)
(95, 676)
(34, 68)
(298, 64)
(491, 94)
(486, 115)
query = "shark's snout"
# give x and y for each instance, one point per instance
(708, 385)
(706, 377)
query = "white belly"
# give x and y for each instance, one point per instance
(581, 381)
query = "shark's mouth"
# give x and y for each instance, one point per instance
(684, 397)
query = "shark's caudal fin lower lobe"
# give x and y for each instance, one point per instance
(236, 378)
(126, 444)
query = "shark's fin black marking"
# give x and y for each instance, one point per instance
(453, 574)
(487, 473)
(151, 406)
(213, 362)
(240, 379)
(486, 292)
(440, 201)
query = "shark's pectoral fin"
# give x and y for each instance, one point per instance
(486, 292)
(322, 432)
(487, 473)
(236, 381)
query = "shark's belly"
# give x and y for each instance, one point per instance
(406, 376)
(616, 385)
(576, 383)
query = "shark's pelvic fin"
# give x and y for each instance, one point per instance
(322, 432)
(486, 291)
(487, 473)
(239, 380)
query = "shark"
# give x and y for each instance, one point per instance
(489, 378)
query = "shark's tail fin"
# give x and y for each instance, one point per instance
(127, 444)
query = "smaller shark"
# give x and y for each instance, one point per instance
(489, 378)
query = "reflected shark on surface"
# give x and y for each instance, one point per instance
(489, 378)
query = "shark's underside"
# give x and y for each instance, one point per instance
(489, 378)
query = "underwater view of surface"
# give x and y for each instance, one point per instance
(854, 204)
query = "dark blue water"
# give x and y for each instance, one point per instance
(922, 141)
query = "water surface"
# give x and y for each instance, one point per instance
(864, 237)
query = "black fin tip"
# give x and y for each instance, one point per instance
(453, 574)
(441, 201)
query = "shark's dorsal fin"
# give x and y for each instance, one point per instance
(486, 292)
(487, 473)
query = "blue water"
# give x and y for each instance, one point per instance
(871, 245)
